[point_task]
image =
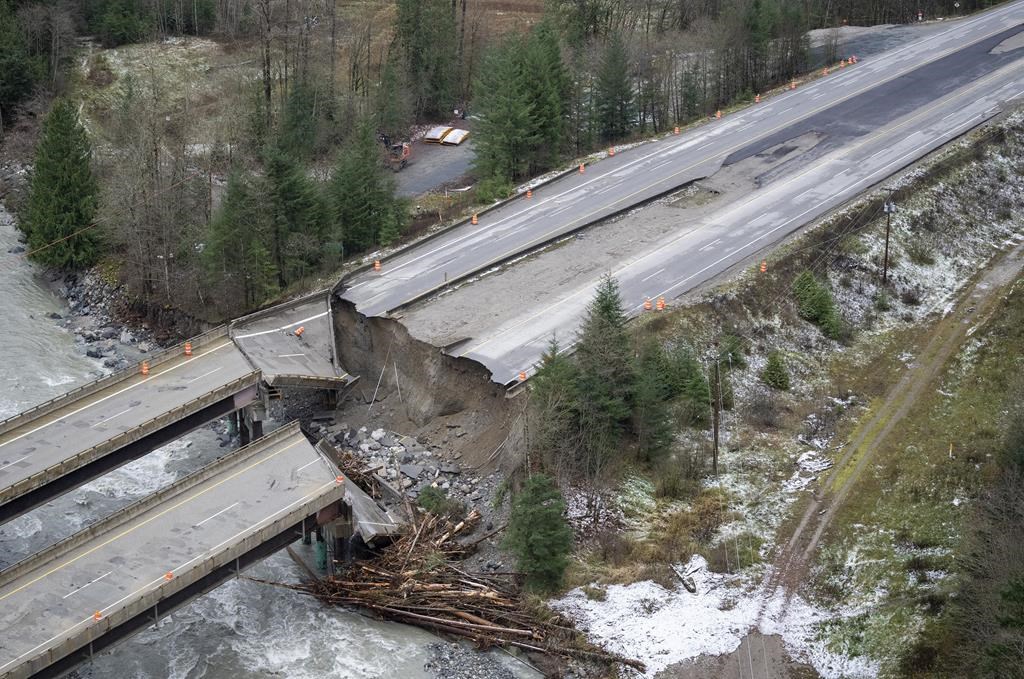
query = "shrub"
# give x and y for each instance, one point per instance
(493, 189)
(883, 301)
(437, 502)
(815, 304)
(920, 252)
(764, 410)
(775, 373)
(538, 533)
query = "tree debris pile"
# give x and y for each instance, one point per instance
(418, 580)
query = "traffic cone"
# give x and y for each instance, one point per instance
(764, 265)
(647, 304)
(529, 193)
(474, 220)
(581, 168)
(522, 375)
(661, 304)
(97, 616)
(144, 368)
(376, 262)
(757, 98)
(611, 151)
(188, 348)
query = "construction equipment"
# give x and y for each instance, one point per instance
(398, 155)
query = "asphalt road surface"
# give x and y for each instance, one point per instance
(93, 419)
(732, 234)
(633, 176)
(270, 341)
(56, 599)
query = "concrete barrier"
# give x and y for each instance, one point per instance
(102, 383)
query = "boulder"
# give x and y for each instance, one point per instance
(377, 435)
(109, 332)
(94, 352)
(413, 471)
(126, 337)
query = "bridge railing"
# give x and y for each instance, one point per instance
(58, 549)
(128, 436)
(102, 383)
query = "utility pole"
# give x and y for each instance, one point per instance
(890, 208)
(716, 397)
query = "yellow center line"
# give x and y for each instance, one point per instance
(817, 166)
(725, 152)
(146, 522)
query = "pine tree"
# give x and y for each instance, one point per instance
(393, 103)
(775, 373)
(295, 208)
(425, 32)
(651, 421)
(365, 211)
(62, 193)
(506, 135)
(554, 404)
(547, 87)
(615, 96)
(236, 258)
(688, 381)
(18, 70)
(298, 125)
(606, 377)
(539, 535)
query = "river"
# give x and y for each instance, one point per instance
(240, 629)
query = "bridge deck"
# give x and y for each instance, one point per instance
(119, 567)
(268, 339)
(53, 439)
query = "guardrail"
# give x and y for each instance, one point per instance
(118, 440)
(311, 381)
(101, 383)
(271, 310)
(144, 503)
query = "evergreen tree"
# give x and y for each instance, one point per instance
(606, 378)
(547, 86)
(615, 96)
(295, 208)
(775, 373)
(17, 69)
(425, 30)
(62, 193)
(365, 211)
(393, 103)
(539, 535)
(554, 428)
(506, 135)
(298, 125)
(815, 303)
(651, 421)
(688, 381)
(236, 258)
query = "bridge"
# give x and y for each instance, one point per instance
(123, 573)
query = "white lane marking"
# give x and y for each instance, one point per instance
(804, 193)
(842, 173)
(214, 516)
(5, 466)
(652, 275)
(116, 393)
(195, 379)
(289, 355)
(709, 245)
(76, 591)
(112, 417)
(878, 153)
(307, 465)
(283, 327)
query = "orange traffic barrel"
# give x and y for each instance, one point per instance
(647, 304)
(677, 129)
(757, 98)
(522, 375)
(474, 220)
(188, 348)
(581, 168)
(661, 304)
(144, 368)
(764, 265)
(718, 113)
(376, 265)
(97, 615)
(529, 193)
(299, 330)
(611, 150)
(168, 576)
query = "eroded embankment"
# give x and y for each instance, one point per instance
(411, 384)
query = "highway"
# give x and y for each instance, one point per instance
(730, 235)
(284, 354)
(87, 425)
(108, 579)
(849, 103)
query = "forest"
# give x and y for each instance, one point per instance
(264, 172)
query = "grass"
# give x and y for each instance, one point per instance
(895, 542)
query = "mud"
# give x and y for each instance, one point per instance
(411, 386)
(759, 656)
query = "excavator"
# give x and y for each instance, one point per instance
(396, 155)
